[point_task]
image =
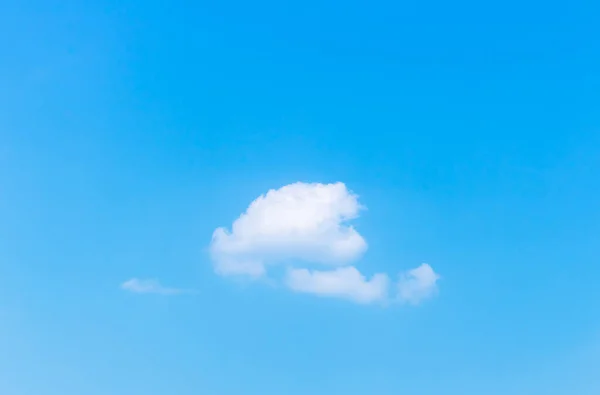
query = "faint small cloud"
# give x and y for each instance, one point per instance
(418, 284)
(151, 286)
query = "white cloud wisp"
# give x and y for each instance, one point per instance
(149, 286)
(418, 284)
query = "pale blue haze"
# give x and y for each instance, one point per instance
(130, 130)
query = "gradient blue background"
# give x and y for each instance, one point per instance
(130, 130)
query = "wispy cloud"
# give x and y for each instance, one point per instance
(151, 286)
(418, 284)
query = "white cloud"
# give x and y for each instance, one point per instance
(300, 221)
(345, 282)
(306, 224)
(140, 286)
(418, 284)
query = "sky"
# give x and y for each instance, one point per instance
(317, 197)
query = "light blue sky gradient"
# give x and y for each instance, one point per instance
(130, 130)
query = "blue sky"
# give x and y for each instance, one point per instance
(130, 130)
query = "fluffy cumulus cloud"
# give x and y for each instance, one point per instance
(303, 225)
(140, 286)
(300, 221)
